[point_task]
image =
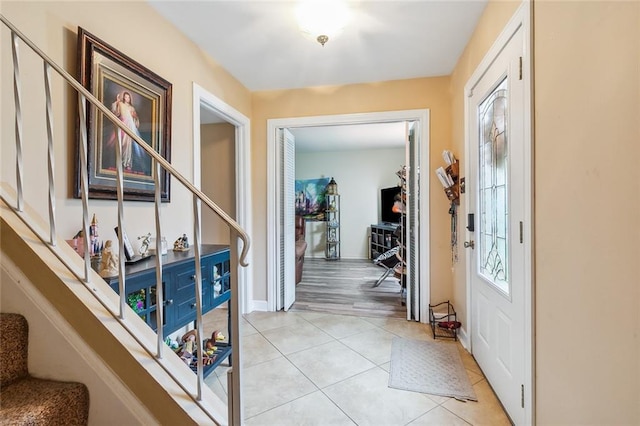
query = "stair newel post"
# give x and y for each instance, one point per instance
(84, 183)
(50, 154)
(159, 289)
(234, 379)
(17, 97)
(121, 254)
(198, 289)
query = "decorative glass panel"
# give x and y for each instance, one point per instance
(493, 188)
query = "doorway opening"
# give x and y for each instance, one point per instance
(219, 128)
(280, 271)
(362, 159)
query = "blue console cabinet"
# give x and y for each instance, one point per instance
(178, 282)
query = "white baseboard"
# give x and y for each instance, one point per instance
(258, 305)
(463, 337)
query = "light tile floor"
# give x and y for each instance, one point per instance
(307, 368)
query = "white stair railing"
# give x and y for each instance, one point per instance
(84, 98)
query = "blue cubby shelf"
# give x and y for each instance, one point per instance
(222, 353)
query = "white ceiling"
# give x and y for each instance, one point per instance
(260, 44)
(259, 41)
(349, 137)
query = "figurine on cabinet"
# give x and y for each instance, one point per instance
(144, 246)
(181, 244)
(109, 262)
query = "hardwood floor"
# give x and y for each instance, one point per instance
(346, 287)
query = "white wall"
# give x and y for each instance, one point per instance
(360, 175)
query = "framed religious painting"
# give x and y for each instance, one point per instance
(141, 100)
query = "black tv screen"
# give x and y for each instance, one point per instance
(387, 197)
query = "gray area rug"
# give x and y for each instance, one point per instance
(429, 367)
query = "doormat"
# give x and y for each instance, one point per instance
(429, 367)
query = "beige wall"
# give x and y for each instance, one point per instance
(493, 20)
(134, 28)
(587, 207)
(217, 162)
(432, 93)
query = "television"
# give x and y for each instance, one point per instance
(387, 198)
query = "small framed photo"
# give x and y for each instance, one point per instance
(141, 99)
(129, 253)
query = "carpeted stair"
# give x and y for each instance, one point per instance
(26, 400)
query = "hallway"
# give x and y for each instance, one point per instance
(326, 369)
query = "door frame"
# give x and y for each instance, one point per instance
(520, 20)
(202, 97)
(422, 116)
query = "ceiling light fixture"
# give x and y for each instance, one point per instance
(322, 19)
(322, 39)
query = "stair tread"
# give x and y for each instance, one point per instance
(30, 400)
(14, 330)
(38, 400)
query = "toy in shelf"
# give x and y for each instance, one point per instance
(187, 351)
(210, 344)
(188, 346)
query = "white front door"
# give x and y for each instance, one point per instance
(497, 191)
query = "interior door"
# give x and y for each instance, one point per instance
(496, 197)
(287, 220)
(412, 220)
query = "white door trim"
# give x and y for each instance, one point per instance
(273, 191)
(520, 19)
(243, 171)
